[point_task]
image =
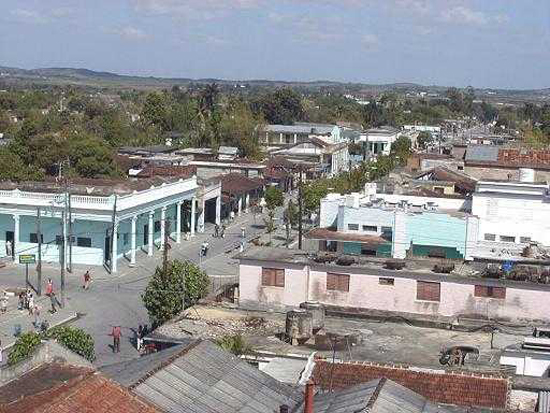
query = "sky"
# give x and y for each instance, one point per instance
(482, 43)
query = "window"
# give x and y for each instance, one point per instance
(33, 238)
(491, 292)
(58, 239)
(490, 237)
(386, 281)
(370, 228)
(368, 251)
(507, 238)
(525, 240)
(157, 226)
(428, 291)
(353, 227)
(337, 282)
(273, 277)
(84, 242)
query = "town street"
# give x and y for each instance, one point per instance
(116, 299)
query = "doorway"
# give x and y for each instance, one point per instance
(146, 234)
(107, 250)
(10, 237)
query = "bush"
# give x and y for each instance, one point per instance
(75, 339)
(395, 265)
(345, 261)
(24, 346)
(163, 297)
(235, 344)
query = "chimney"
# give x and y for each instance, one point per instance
(308, 402)
(284, 409)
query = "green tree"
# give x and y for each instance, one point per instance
(284, 106)
(163, 297)
(312, 195)
(91, 157)
(291, 217)
(401, 150)
(424, 139)
(273, 197)
(75, 339)
(156, 111)
(12, 168)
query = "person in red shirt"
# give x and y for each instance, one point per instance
(49, 287)
(116, 333)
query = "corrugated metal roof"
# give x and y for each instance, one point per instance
(207, 379)
(481, 153)
(377, 396)
(285, 370)
(544, 402)
(319, 129)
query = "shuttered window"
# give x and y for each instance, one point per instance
(273, 277)
(491, 292)
(337, 282)
(428, 291)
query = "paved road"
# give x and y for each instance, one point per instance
(116, 299)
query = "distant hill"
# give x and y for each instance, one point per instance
(12, 76)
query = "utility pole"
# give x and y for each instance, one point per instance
(300, 207)
(39, 240)
(62, 258)
(70, 267)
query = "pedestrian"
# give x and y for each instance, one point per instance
(222, 235)
(216, 230)
(139, 340)
(87, 278)
(116, 333)
(31, 303)
(1, 353)
(36, 316)
(21, 303)
(4, 302)
(232, 215)
(8, 249)
(49, 287)
(204, 248)
(53, 302)
(243, 232)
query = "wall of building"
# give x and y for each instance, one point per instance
(524, 216)
(523, 303)
(489, 173)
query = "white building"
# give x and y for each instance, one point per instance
(435, 131)
(380, 140)
(106, 218)
(512, 212)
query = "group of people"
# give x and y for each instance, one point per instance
(219, 232)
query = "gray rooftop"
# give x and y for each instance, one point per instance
(301, 128)
(129, 372)
(377, 396)
(207, 379)
(481, 153)
(286, 370)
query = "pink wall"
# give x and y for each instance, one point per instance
(365, 292)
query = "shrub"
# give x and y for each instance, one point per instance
(75, 339)
(24, 346)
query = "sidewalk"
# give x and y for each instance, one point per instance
(14, 317)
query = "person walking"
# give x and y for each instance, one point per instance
(53, 302)
(243, 232)
(9, 251)
(222, 234)
(31, 303)
(216, 230)
(116, 333)
(87, 278)
(4, 302)
(21, 303)
(36, 316)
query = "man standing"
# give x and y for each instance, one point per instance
(216, 230)
(116, 333)
(87, 278)
(49, 287)
(53, 302)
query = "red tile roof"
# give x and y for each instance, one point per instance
(517, 158)
(236, 183)
(177, 171)
(66, 389)
(462, 389)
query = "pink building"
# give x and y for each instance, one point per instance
(280, 279)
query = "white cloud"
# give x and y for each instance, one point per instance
(464, 15)
(369, 41)
(193, 9)
(130, 33)
(29, 16)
